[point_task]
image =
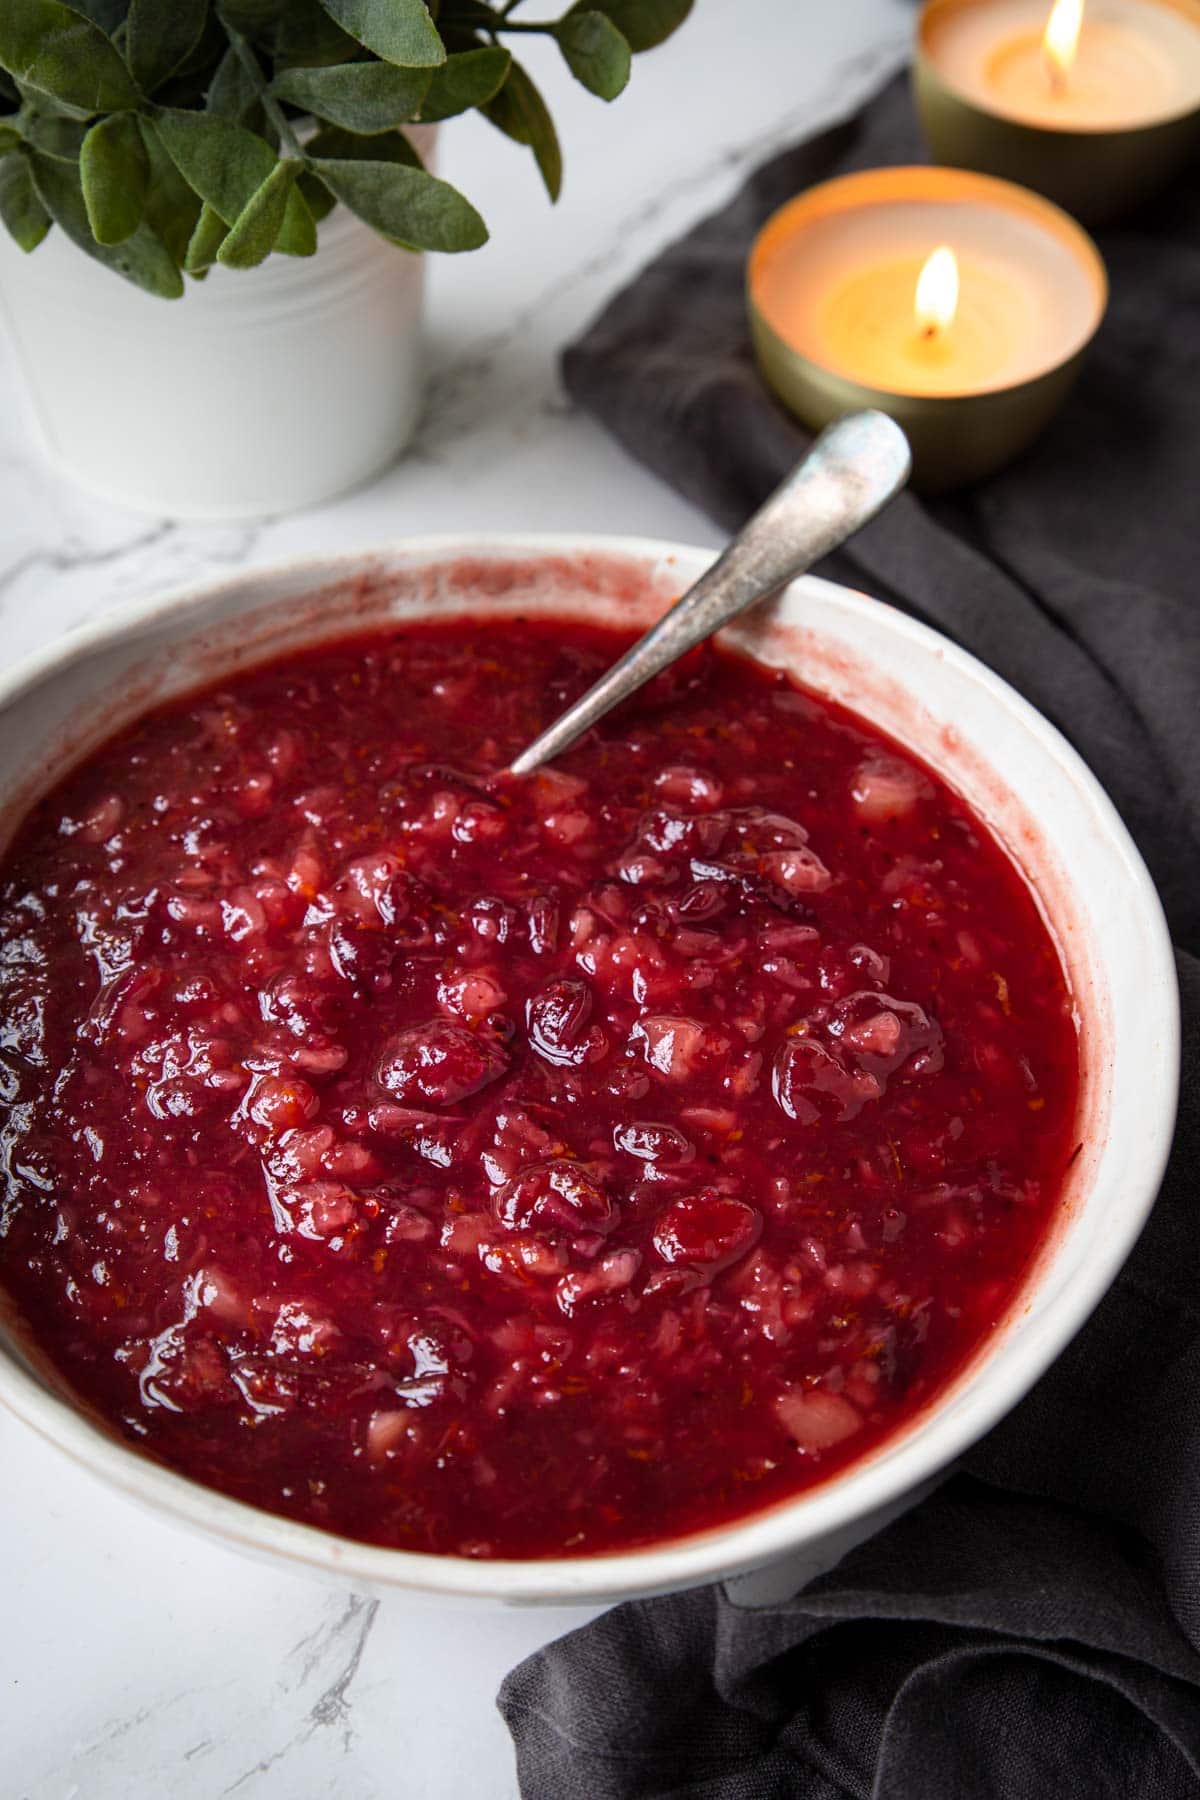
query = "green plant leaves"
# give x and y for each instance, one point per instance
(155, 132)
(469, 79)
(142, 259)
(252, 237)
(317, 197)
(298, 229)
(400, 31)
(226, 165)
(306, 37)
(232, 93)
(160, 35)
(172, 208)
(405, 204)
(642, 23)
(108, 14)
(114, 171)
(50, 47)
(24, 216)
(223, 162)
(347, 146)
(53, 136)
(364, 97)
(209, 234)
(253, 18)
(519, 111)
(595, 52)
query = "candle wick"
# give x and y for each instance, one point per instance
(929, 331)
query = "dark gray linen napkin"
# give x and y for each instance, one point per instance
(1032, 1631)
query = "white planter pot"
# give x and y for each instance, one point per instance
(257, 392)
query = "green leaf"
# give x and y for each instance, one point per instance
(52, 136)
(406, 205)
(115, 172)
(307, 38)
(209, 234)
(52, 48)
(107, 14)
(22, 212)
(9, 139)
(160, 35)
(400, 31)
(142, 259)
(595, 52)
(255, 19)
(467, 80)
(364, 97)
(520, 112)
(348, 146)
(231, 92)
(317, 197)
(223, 162)
(172, 209)
(298, 233)
(642, 23)
(252, 237)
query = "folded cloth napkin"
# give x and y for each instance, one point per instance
(1032, 1631)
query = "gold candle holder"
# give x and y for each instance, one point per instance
(832, 296)
(1097, 133)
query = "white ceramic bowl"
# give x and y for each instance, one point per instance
(1008, 763)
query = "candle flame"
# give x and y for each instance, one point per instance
(1061, 39)
(937, 292)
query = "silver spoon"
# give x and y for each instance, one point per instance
(853, 469)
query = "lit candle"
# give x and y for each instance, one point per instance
(1093, 102)
(959, 304)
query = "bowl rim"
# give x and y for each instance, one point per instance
(902, 1462)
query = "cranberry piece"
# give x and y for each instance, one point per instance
(298, 1003)
(492, 919)
(279, 1104)
(556, 1193)
(885, 1034)
(651, 1142)
(678, 1048)
(702, 901)
(375, 890)
(797, 871)
(707, 1229)
(543, 925)
(611, 1275)
(361, 954)
(817, 1420)
(437, 1064)
(885, 788)
(807, 1080)
(557, 1017)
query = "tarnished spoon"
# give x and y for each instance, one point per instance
(853, 469)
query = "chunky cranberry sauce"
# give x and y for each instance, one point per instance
(511, 1167)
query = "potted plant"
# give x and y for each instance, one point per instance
(181, 143)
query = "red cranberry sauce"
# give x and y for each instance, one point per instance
(514, 1167)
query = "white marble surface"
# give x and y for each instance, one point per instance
(136, 1661)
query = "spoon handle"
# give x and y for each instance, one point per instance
(853, 469)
